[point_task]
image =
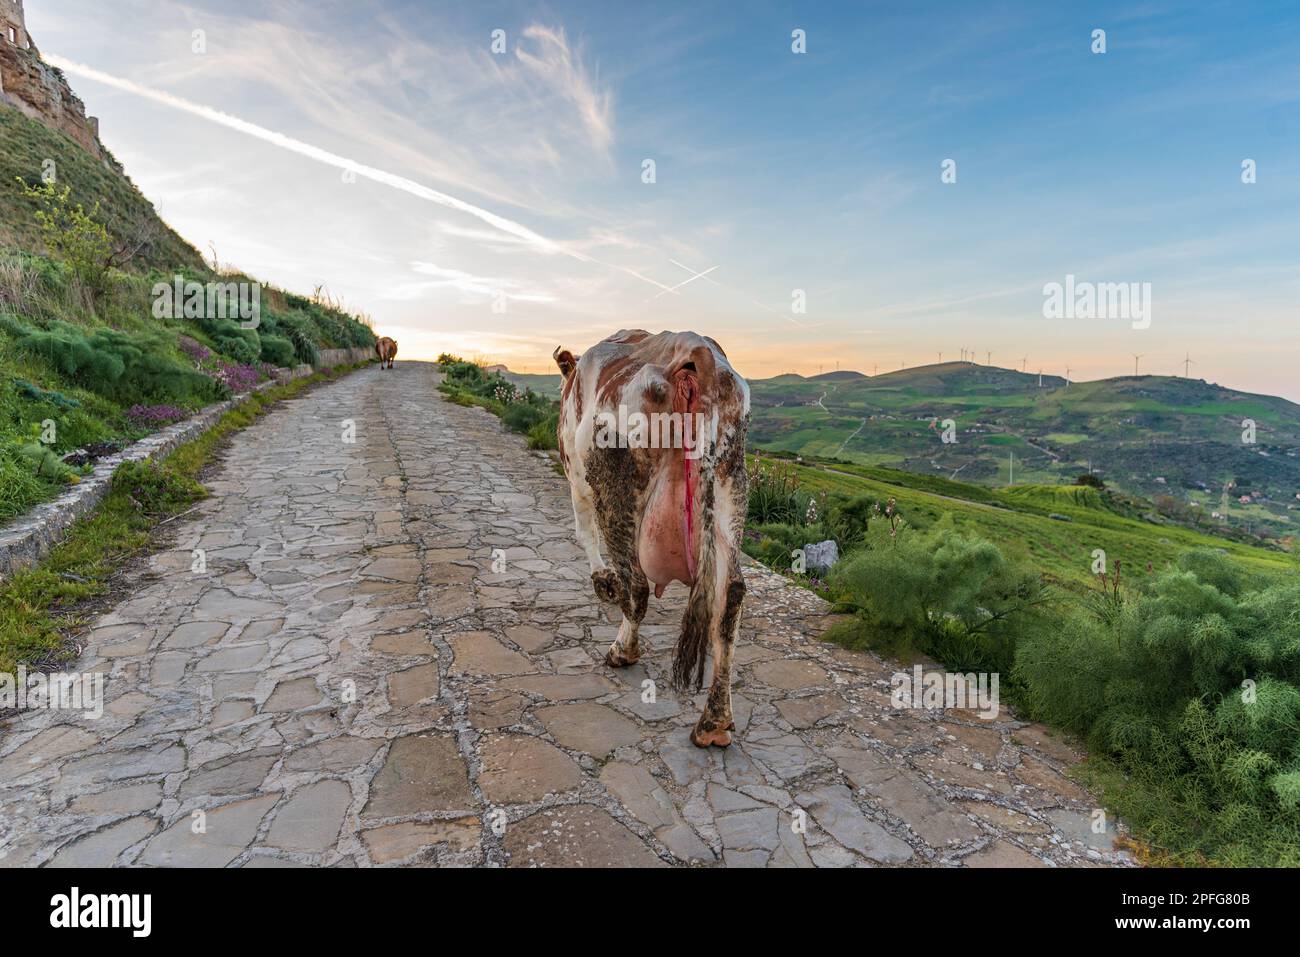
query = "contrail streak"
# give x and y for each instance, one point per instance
(520, 231)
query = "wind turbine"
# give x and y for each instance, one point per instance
(1067, 377)
(941, 358)
(1187, 362)
(1023, 362)
(1136, 357)
(988, 358)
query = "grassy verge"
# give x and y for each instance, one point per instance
(532, 415)
(42, 605)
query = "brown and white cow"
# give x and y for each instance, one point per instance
(387, 351)
(652, 437)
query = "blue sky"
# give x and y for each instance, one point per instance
(817, 172)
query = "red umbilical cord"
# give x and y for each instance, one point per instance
(686, 402)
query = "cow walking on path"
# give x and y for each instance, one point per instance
(652, 438)
(386, 349)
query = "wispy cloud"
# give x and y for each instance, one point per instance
(473, 286)
(526, 236)
(561, 72)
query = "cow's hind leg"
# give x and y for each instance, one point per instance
(716, 723)
(625, 650)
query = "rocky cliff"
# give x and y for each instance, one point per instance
(41, 92)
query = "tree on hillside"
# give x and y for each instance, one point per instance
(89, 247)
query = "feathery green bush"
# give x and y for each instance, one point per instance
(1193, 688)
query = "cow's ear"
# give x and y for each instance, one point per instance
(565, 360)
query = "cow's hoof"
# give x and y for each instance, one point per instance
(717, 737)
(607, 587)
(617, 659)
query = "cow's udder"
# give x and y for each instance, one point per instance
(662, 548)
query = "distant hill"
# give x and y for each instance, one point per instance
(548, 385)
(838, 376)
(1176, 441)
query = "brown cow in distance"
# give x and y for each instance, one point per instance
(652, 438)
(387, 350)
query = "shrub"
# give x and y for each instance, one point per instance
(277, 350)
(74, 236)
(849, 519)
(774, 495)
(543, 433)
(298, 330)
(924, 592)
(114, 364)
(35, 393)
(244, 350)
(521, 417)
(1192, 687)
(42, 459)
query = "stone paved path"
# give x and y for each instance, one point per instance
(352, 683)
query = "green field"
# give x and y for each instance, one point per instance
(1056, 527)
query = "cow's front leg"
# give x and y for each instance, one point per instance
(625, 650)
(716, 723)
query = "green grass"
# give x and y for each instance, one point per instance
(1019, 520)
(41, 605)
(25, 146)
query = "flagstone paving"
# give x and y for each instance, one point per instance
(394, 656)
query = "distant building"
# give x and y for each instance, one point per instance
(13, 24)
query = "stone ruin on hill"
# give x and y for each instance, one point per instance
(38, 90)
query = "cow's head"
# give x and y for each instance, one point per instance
(566, 360)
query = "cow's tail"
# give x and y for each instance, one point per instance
(697, 623)
(701, 549)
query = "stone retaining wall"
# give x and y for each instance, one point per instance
(329, 358)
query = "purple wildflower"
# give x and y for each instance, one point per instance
(237, 378)
(155, 416)
(194, 349)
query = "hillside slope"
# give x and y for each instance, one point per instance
(85, 364)
(26, 145)
(1055, 527)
